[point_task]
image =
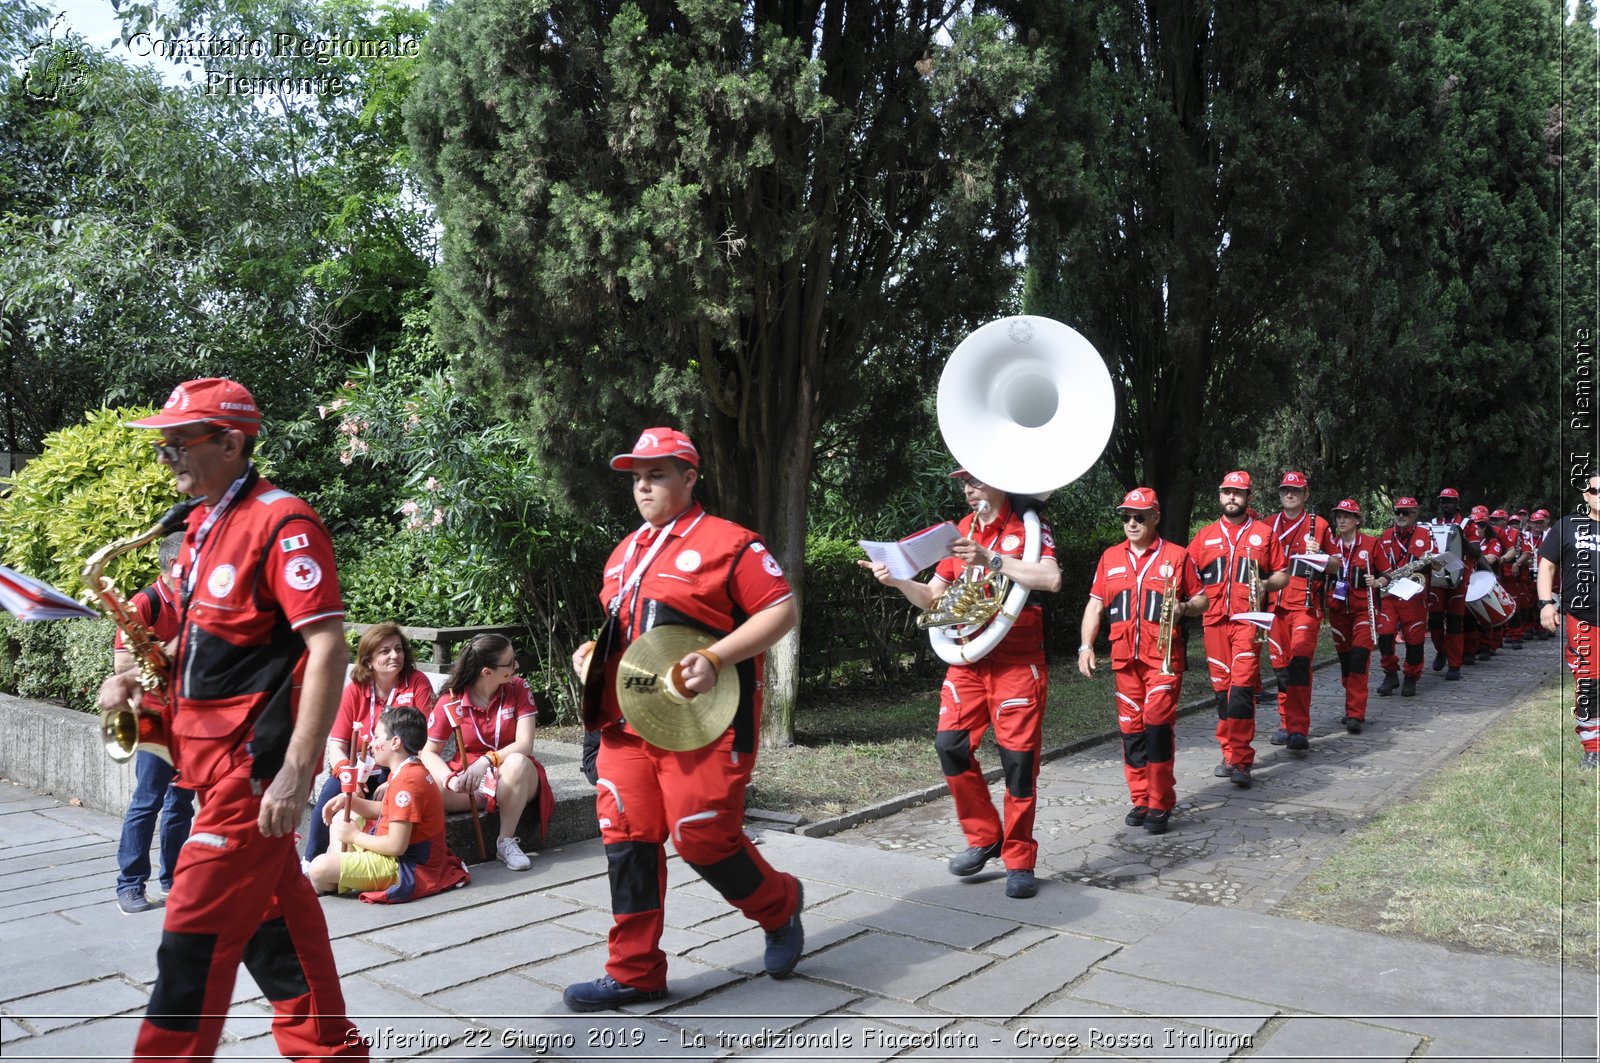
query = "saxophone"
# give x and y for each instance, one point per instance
(127, 730)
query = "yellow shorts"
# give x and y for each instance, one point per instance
(361, 870)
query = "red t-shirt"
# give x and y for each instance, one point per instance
(1223, 552)
(427, 866)
(1132, 590)
(1007, 534)
(264, 570)
(360, 703)
(483, 727)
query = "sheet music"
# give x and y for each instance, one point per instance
(29, 599)
(915, 552)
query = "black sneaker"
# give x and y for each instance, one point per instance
(1515, 644)
(1156, 821)
(1352, 724)
(971, 862)
(1484, 655)
(1591, 760)
(1279, 737)
(1223, 770)
(134, 903)
(1299, 742)
(604, 993)
(1391, 681)
(1408, 689)
(1453, 674)
(1438, 662)
(1135, 815)
(1240, 775)
(1020, 884)
(785, 944)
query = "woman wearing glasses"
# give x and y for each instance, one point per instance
(496, 769)
(1131, 586)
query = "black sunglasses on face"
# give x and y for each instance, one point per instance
(1141, 518)
(174, 451)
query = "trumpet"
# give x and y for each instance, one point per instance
(1169, 616)
(1258, 597)
(128, 729)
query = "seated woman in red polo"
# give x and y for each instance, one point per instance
(492, 710)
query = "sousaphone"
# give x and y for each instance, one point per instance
(1025, 404)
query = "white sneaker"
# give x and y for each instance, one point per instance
(305, 866)
(510, 854)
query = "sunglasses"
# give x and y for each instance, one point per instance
(173, 451)
(1405, 513)
(1591, 490)
(1136, 517)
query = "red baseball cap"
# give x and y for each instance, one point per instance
(1239, 479)
(211, 400)
(1540, 514)
(1500, 513)
(1406, 502)
(1139, 498)
(1350, 506)
(1480, 513)
(1294, 479)
(1449, 492)
(658, 443)
(1516, 518)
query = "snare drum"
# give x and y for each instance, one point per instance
(1491, 603)
(1446, 540)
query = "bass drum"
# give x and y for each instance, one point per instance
(1491, 603)
(1447, 540)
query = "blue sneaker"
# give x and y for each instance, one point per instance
(1020, 884)
(605, 993)
(785, 944)
(971, 862)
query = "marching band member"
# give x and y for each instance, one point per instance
(1005, 689)
(1447, 606)
(1351, 609)
(1406, 620)
(1538, 532)
(1571, 552)
(1481, 639)
(1298, 623)
(1132, 586)
(1227, 552)
(257, 674)
(685, 566)
(1519, 579)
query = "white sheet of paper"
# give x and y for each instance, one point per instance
(1403, 588)
(915, 552)
(27, 598)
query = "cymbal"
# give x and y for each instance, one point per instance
(663, 716)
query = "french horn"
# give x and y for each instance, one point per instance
(1025, 404)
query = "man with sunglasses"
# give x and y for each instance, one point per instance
(1405, 620)
(1571, 552)
(1447, 606)
(1293, 639)
(257, 676)
(1131, 586)
(1005, 689)
(1227, 552)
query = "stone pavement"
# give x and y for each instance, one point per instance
(1180, 960)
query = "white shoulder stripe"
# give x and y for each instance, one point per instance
(277, 494)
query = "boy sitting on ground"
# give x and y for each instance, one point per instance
(405, 856)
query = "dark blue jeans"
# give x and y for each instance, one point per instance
(153, 794)
(316, 830)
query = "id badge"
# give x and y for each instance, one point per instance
(1341, 589)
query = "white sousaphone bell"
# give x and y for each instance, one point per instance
(1025, 404)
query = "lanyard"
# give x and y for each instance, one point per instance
(629, 582)
(1283, 536)
(1138, 580)
(204, 530)
(472, 715)
(1233, 545)
(372, 702)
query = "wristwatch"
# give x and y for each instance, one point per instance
(1546, 601)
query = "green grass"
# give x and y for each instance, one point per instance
(1496, 852)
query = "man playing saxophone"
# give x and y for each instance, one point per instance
(256, 679)
(1005, 689)
(1145, 586)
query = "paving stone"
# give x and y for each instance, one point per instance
(397, 1025)
(897, 1012)
(1098, 1032)
(824, 1040)
(453, 929)
(744, 951)
(748, 1013)
(11, 1032)
(1302, 1036)
(1165, 1000)
(1014, 985)
(943, 925)
(1017, 940)
(892, 966)
(107, 1038)
(23, 975)
(78, 1003)
(434, 971)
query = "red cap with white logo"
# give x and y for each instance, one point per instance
(211, 400)
(1294, 479)
(658, 443)
(1239, 480)
(1449, 492)
(1350, 506)
(1139, 498)
(1406, 502)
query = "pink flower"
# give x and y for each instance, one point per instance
(409, 508)
(438, 516)
(433, 484)
(345, 458)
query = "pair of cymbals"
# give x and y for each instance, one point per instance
(653, 700)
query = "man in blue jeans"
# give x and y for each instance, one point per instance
(153, 790)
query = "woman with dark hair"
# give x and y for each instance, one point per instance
(490, 707)
(385, 674)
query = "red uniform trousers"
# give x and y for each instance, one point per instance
(1234, 660)
(1292, 644)
(1147, 704)
(1409, 621)
(1447, 610)
(1010, 697)
(1352, 639)
(241, 896)
(1583, 657)
(644, 793)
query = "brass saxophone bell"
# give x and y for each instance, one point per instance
(126, 731)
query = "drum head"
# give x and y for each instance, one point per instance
(1481, 584)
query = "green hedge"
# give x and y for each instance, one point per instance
(56, 660)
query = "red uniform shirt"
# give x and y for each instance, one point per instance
(158, 610)
(1304, 592)
(483, 727)
(1007, 534)
(1132, 589)
(427, 865)
(708, 573)
(1223, 553)
(1362, 560)
(1399, 548)
(257, 569)
(360, 703)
